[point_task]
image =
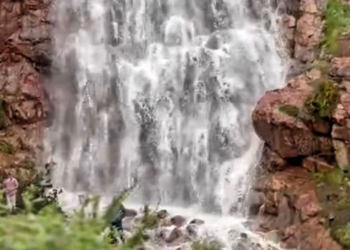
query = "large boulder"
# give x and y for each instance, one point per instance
(288, 135)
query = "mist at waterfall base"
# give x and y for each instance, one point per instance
(162, 90)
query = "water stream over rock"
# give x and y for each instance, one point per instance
(162, 90)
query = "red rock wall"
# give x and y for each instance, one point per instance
(301, 26)
(286, 197)
(24, 58)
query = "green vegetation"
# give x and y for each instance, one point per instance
(322, 65)
(27, 164)
(342, 235)
(319, 105)
(41, 225)
(324, 99)
(6, 147)
(343, 203)
(290, 110)
(203, 246)
(335, 177)
(337, 20)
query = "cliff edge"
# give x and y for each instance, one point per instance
(302, 188)
(25, 31)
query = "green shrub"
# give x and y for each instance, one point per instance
(335, 177)
(197, 245)
(337, 20)
(342, 235)
(324, 99)
(42, 226)
(6, 147)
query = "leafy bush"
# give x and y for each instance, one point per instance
(337, 20)
(42, 226)
(342, 235)
(320, 104)
(324, 99)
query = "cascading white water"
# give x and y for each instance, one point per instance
(161, 89)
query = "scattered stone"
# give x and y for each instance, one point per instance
(175, 235)
(192, 230)
(162, 214)
(244, 235)
(178, 221)
(197, 222)
(130, 213)
(165, 222)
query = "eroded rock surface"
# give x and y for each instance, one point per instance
(302, 186)
(24, 56)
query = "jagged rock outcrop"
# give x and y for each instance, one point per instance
(24, 57)
(302, 186)
(301, 26)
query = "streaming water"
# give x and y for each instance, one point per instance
(162, 90)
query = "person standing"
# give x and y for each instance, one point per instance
(117, 225)
(10, 185)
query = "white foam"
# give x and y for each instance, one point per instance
(183, 76)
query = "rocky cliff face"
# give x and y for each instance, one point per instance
(24, 58)
(302, 187)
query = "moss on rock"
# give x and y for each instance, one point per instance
(290, 110)
(324, 99)
(6, 147)
(335, 177)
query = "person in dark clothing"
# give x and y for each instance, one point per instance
(117, 225)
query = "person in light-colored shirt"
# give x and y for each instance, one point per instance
(10, 185)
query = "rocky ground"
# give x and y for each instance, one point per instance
(179, 232)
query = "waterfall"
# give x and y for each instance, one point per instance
(161, 90)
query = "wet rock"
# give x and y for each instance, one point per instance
(128, 224)
(274, 236)
(313, 164)
(175, 235)
(197, 222)
(130, 213)
(178, 221)
(192, 230)
(165, 222)
(162, 214)
(255, 201)
(244, 235)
